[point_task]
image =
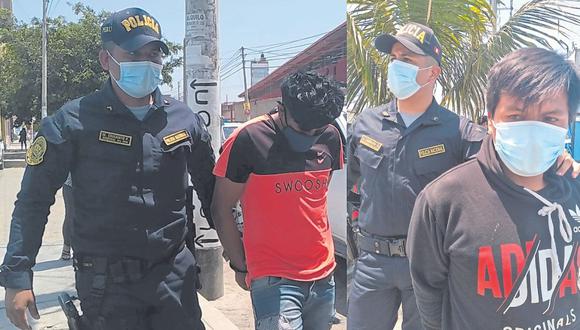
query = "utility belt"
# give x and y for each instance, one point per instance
(118, 269)
(387, 246)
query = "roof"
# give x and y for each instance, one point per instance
(329, 48)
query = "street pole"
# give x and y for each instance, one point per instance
(246, 96)
(201, 92)
(44, 60)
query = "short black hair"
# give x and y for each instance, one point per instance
(312, 100)
(533, 74)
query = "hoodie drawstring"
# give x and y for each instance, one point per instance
(565, 228)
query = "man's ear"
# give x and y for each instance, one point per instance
(435, 72)
(104, 59)
(490, 126)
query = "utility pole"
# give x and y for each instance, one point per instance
(201, 92)
(44, 60)
(246, 96)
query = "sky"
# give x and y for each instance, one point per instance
(248, 23)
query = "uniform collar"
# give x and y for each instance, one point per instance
(112, 102)
(430, 117)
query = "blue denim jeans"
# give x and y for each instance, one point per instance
(283, 304)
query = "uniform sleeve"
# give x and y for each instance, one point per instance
(235, 162)
(200, 165)
(48, 163)
(428, 263)
(471, 137)
(353, 163)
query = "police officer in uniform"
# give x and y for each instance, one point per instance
(129, 150)
(395, 150)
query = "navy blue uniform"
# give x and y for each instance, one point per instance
(390, 164)
(130, 187)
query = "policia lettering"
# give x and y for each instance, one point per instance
(136, 21)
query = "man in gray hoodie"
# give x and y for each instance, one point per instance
(494, 242)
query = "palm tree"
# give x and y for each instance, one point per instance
(470, 40)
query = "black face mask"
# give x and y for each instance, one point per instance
(298, 141)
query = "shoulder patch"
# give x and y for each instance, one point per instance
(35, 154)
(176, 137)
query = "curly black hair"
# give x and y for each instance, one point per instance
(312, 100)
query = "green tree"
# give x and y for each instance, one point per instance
(470, 40)
(73, 65)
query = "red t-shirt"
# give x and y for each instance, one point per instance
(286, 229)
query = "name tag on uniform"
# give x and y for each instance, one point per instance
(432, 151)
(115, 138)
(370, 143)
(176, 137)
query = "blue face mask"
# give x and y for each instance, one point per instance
(138, 79)
(529, 148)
(299, 142)
(402, 79)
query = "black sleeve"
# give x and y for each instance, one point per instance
(337, 150)
(48, 163)
(200, 166)
(235, 161)
(428, 262)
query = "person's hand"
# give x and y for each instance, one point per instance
(565, 162)
(17, 301)
(241, 280)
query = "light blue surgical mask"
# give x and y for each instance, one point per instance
(402, 79)
(529, 148)
(138, 79)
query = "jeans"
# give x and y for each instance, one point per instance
(284, 304)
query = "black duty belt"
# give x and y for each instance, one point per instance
(391, 247)
(119, 269)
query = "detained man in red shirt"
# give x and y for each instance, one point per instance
(279, 166)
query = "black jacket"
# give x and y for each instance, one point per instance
(130, 180)
(481, 253)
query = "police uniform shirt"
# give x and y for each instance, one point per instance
(130, 178)
(391, 163)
